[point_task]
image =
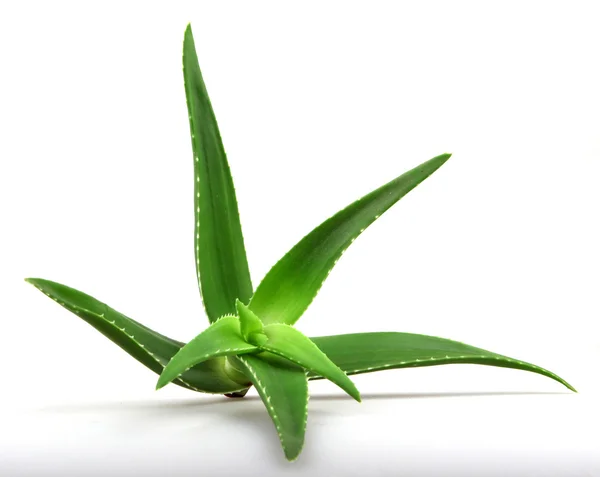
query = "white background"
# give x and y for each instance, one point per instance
(318, 103)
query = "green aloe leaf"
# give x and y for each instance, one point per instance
(250, 324)
(221, 263)
(289, 343)
(147, 346)
(222, 338)
(284, 391)
(291, 285)
(367, 352)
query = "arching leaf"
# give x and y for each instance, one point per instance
(147, 346)
(367, 352)
(291, 285)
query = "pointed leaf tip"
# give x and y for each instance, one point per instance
(161, 383)
(368, 352)
(188, 31)
(444, 157)
(291, 344)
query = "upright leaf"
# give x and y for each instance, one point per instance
(367, 352)
(284, 391)
(289, 343)
(221, 264)
(291, 285)
(147, 346)
(222, 338)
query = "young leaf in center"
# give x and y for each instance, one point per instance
(250, 325)
(222, 338)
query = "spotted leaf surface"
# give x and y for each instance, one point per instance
(284, 391)
(222, 338)
(221, 264)
(289, 343)
(291, 285)
(367, 352)
(147, 346)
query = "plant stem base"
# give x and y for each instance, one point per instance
(238, 394)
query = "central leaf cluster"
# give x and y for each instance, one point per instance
(246, 334)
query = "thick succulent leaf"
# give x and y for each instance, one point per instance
(222, 338)
(147, 346)
(289, 343)
(284, 391)
(221, 264)
(250, 324)
(368, 352)
(291, 285)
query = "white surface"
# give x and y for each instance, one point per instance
(397, 434)
(317, 104)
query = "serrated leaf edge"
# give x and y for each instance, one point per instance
(305, 419)
(195, 148)
(218, 353)
(351, 240)
(78, 310)
(457, 360)
(278, 352)
(260, 387)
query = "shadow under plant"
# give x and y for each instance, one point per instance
(251, 339)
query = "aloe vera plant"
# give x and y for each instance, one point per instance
(251, 339)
